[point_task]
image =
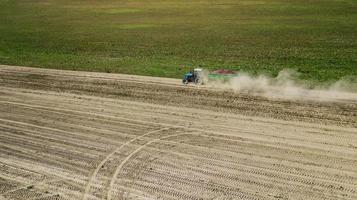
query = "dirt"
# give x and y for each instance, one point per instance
(82, 135)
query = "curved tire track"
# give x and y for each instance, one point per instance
(101, 164)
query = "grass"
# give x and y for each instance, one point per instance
(168, 37)
(134, 26)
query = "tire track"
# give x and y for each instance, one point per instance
(118, 169)
(94, 174)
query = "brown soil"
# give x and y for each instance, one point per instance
(82, 135)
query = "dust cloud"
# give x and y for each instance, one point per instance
(287, 85)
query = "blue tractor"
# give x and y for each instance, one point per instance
(194, 76)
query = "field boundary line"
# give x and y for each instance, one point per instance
(87, 74)
(94, 174)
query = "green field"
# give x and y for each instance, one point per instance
(318, 38)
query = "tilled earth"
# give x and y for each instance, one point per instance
(82, 135)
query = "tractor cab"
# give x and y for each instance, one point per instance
(188, 77)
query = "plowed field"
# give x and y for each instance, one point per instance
(82, 135)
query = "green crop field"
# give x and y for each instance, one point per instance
(318, 38)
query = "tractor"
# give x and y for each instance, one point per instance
(195, 76)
